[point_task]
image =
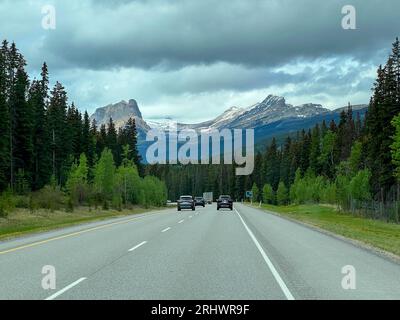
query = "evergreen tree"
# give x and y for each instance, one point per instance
(271, 165)
(74, 131)
(61, 147)
(327, 157)
(129, 136)
(16, 91)
(92, 151)
(395, 147)
(111, 141)
(287, 156)
(315, 150)
(305, 144)
(257, 176)
(384, 106)
(23, 126)
(4, 120)
(38, 96)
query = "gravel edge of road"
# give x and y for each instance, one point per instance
(357, 243)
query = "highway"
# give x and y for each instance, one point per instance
(203, 254)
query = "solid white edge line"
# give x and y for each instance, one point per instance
(275, 273)
(58, 293)
(166, 229)
(137, 246)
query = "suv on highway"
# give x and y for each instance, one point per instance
(186, 202)
(199, 201)
(224, 201)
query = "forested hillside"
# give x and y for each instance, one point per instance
(50, 151)
(353, 163)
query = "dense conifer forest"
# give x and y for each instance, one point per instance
(51, 155)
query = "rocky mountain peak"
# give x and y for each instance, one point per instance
(272, 100)
(120, 112)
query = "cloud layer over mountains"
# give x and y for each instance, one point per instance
(193, 59)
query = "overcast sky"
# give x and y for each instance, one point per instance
(191, 60)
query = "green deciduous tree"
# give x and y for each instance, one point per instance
(255, 192)
(77, 183)
(282, 194)
(104, 174)
(268, 194)
(359, 186)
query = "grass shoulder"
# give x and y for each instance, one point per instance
(376, 233)
(23, 221)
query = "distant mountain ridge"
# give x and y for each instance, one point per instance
(271, 109)
(272, 116)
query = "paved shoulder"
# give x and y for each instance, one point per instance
(311, 263)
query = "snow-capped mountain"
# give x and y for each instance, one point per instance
(222, 121)
(271, 109)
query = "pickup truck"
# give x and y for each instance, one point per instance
(224, 201)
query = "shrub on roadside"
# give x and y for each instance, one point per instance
(22, 202)
(117, 202)
(7, 203)
(51, 198)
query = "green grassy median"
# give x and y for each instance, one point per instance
(376, 233)
(22, 221)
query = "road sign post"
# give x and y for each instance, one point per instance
(249, 195)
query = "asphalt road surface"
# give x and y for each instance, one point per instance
(205, 254)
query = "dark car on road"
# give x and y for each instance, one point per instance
(199, 201)
(186, 202)
(224, 201)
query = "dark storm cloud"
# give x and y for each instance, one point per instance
(172, 34)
